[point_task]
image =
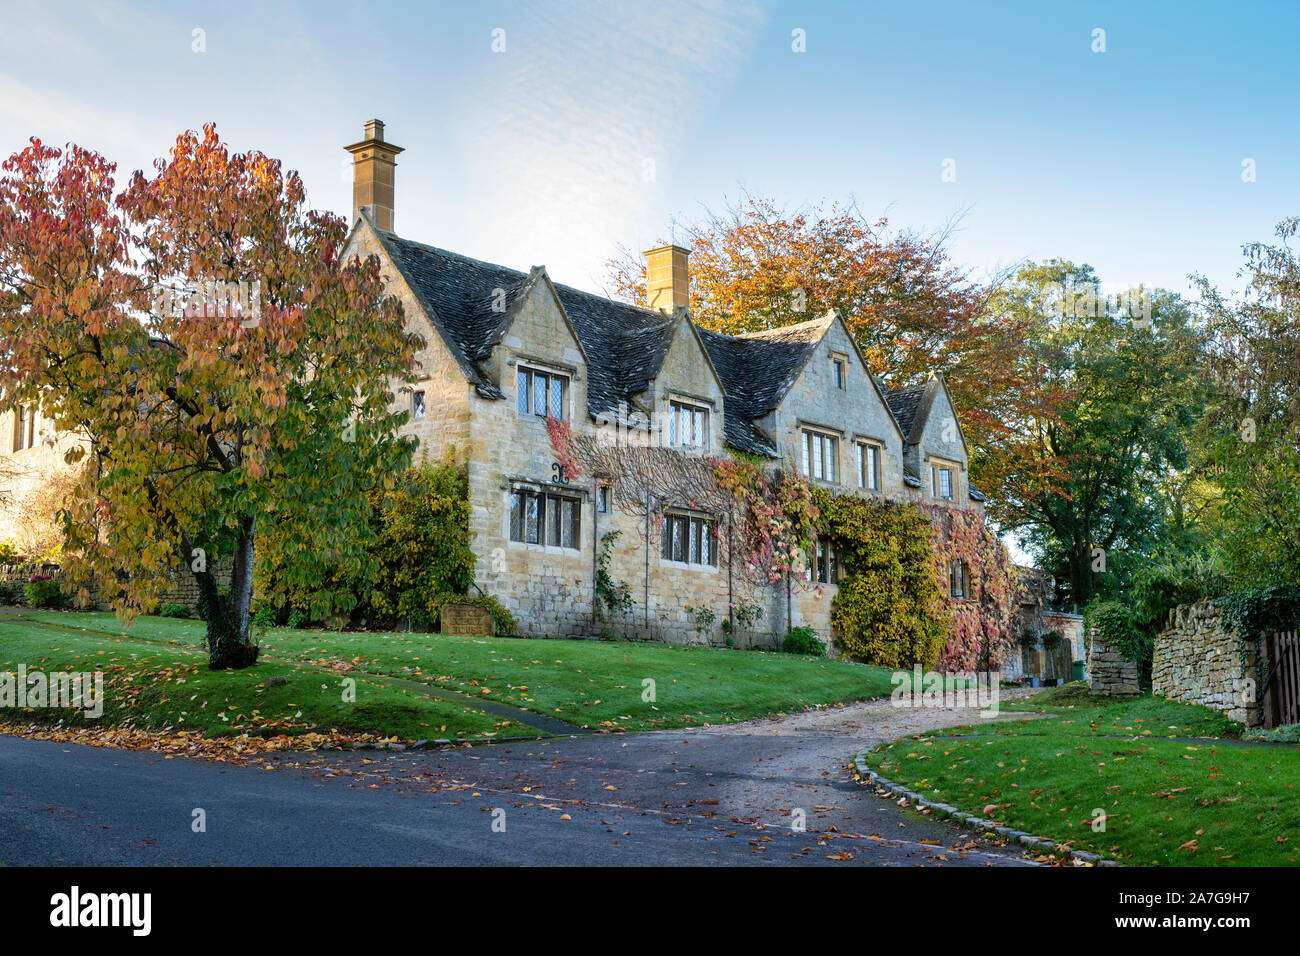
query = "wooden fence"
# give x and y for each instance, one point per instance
(1280, 701)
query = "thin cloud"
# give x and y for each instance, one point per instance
(580, 122)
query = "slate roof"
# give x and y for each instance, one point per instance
(625, 344)
(756, 369)
(905, 403)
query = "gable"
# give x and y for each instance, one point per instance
(816, 375)
(532, 321)
(436, 354)
(686, 366)
(937, 425)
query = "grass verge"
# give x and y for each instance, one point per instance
(150, 685)
(1096, 762)
(614, 686)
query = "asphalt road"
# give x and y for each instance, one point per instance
(727, 796)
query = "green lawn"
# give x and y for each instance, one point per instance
(153, 685)
(1167, 802)
(586, 683)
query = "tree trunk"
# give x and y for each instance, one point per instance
(226, 612)
(1081, 575)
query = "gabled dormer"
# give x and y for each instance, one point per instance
(686, 394)
(936, 457)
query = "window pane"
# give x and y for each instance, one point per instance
(516, 517)
(873, 468)
(552, 520)
(417, 404)
(830, 459)
(521, 389)
(539, 393)
(679, 539)
(673, 433)
(557, 397)
(532, 519)
(818, 461)
(567, 531)
(666, 551)
(860, 453)
(576, 525)
(707, 552)
(806, 439)
(693, 556)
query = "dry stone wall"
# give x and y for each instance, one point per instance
(1109, 672)
(185, 589)
(1198, 661)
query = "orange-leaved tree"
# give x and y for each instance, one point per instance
(757, 266)
(208, 428)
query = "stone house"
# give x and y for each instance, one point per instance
(32, 477)
(506, 349)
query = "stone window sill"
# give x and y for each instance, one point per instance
(687, 566)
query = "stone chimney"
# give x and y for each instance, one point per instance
(372, 176)
(666, 279)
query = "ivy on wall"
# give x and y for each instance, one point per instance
(979, 623)
(889, 610)
(894, 607)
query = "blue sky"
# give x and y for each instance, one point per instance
(1128, 159)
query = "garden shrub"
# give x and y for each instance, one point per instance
(421, 556)
(803, 640)
(423, 546)
(9, 553)
(174, 609)
(889, 609)
(43, 591)
(1285, 734)
(265, 616)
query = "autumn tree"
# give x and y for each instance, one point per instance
(757, 266)
(1251, 436)
(208, 430)
(1092, 496)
